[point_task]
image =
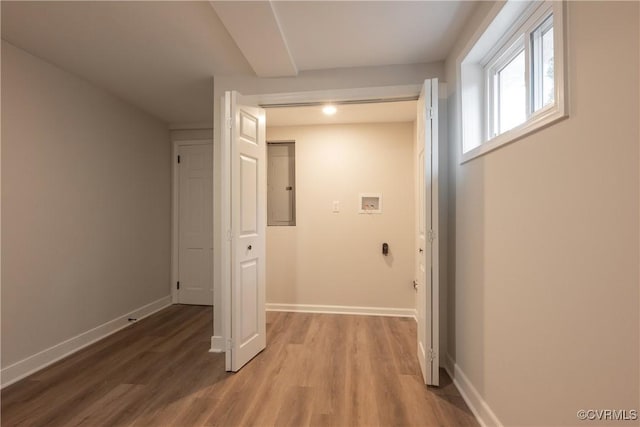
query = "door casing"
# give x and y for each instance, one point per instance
(221, 164)
(379, 94)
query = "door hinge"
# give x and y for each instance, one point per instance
(229, 235)
(229, 345)
(429, 113)
(178, 285)
(228, 120)
(431, 355)
(431, 235)
(178, 158)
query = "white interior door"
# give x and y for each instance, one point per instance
(426, 238)
(195, 225)
(244, 206)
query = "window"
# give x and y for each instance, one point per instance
(514, 94)
(281, 183)
(512, 76)
(508, 97)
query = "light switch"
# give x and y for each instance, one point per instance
(336, 206)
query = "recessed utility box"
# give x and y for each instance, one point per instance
(370, 203)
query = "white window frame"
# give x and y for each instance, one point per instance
(536, 81)
(479, 136)
(507, 54)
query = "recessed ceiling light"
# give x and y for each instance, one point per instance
(329, 110)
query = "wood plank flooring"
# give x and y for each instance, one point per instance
(317, 370)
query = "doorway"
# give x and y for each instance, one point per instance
(239, 112)
(332, 260)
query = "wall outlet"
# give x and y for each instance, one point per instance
(336, 206)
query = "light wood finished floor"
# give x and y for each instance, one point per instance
(317, 370)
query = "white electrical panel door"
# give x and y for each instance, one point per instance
(281, 203)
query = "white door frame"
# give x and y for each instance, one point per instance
(220, 341)
(377, 93)
(175, 204)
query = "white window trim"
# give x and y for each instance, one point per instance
(506, 55)
(544, 117)
(543, 25)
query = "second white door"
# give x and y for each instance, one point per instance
(427, 280)
(195, 225)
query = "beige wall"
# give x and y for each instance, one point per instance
(543, 314)
(335, 258)
(85, 206)
(188, 134)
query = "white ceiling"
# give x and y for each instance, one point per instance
(383, 112)
(314, 35)
(336, 34)
(247, 19)
(160, 55)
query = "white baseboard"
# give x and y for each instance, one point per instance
(217, 344)
(36, 362)
(342, 309)
(448, 364)
(481, 410)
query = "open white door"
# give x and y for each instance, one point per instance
(427, 239)
(244, 217)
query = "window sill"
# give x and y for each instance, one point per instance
(541, 120)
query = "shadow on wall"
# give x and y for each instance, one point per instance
(466, 282)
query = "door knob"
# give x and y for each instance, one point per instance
(415, 285)
(420, 250)
(249, 247)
